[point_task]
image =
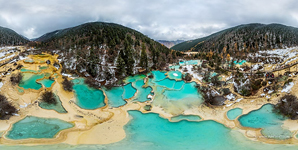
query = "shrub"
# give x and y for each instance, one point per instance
(264, 83)
(288, 106)
(6, 108)
(150, 76)
(19, 67)
(48, 97)
(67, 85)
(288, 81)
(16, 78)
(245, 92)
(225, 91)
(92, 83)
(147, 107)
(206, 77)
(215, 80)
(187, 77)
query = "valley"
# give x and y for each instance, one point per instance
(117, 88)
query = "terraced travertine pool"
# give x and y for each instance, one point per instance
(150, 131)
(234, 113)
(29, 81)
(47, 82)
(36, 127)
(87, 97)
(270, 122)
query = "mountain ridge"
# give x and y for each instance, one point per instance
(10, 37)
(245, 37)
(106, 50)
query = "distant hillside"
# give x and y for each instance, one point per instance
(245, 38)
(10, 37)
(106, 50)
(169, 44)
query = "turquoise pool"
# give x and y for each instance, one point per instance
(176, 75)
(158, 75)
(28, 70)
(58, 107)
(87, 97)
(149, 131)
(266, 119)
(189, 62)
(35, 127)
(234, 113)
(29, 81)
(240, 62)
(175, 67)
(114, 96)
(189, 90)
(46, 82)
(143, 92)
(129, 91)
(43, 67)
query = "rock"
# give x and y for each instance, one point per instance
(225, 91)
(147, 107)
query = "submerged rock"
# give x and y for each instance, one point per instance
(148, 107)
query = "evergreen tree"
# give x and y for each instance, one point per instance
(120, 66)
(144, 59)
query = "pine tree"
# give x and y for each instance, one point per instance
(144, 59)
(120, 66)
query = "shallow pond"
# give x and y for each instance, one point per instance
(269, 121)
(87, 97)
(114, 96)
(234, 113)
(29, 81)
(35, 127)
(176, 75)
(46, 82)
(57, 107)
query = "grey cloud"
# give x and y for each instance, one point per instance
(159, 19)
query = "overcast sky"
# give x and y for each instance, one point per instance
(159, 19)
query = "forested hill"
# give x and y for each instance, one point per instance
(247, 38)
(10, 37)
(96, 48)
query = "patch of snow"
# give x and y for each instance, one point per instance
(230, 77)
(238, 100)
(270, 91)
(228, 105)
(288, 88)
(230, 96)
(68, 75)
(1, 84)
(8, 57)
(267, 96)
(263, 94)
(15, 114)
(25, 105)
(194, 75)
(149, 96)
